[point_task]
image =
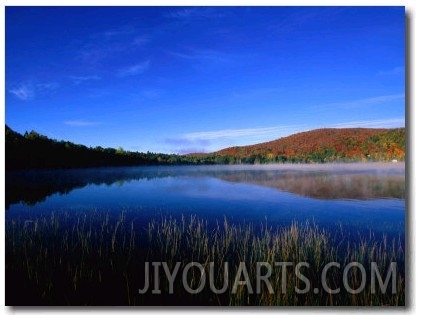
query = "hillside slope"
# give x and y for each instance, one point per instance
(325, 145)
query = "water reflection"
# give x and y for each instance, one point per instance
(327, 182)
(327, 185)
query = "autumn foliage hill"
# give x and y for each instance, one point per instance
(325, 145)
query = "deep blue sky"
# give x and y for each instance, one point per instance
(184, 79)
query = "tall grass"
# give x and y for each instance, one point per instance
(99, 258)
(191, 240)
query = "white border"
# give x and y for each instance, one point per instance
(414, 66)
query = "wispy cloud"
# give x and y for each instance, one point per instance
(29, 90)
(103, 45)
(183, 141)
(183, 145)
(376, 100)
(81, 79)
(394, 71)
(140, 40)
(81, 123)
(195, 13)
(276, 132)
(182, 13)
(118, 31)
(136, 69)
(152, 93)
(47, 86)
(377, 123)
(257, 92)
(98, 92)
(202, 55)
(23, 91)
(299, 18)
(189, 150)
(206, 60)
(294, 21)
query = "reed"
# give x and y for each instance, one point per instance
(99, 258)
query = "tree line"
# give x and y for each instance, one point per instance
(36, 151)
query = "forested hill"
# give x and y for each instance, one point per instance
(326, 145)
(33, 150)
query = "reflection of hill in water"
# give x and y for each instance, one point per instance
(35, 186)
(326, 185)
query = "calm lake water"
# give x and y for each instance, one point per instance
(367, 197)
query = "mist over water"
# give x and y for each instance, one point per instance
(370, 167)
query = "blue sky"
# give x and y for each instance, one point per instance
(198, 79)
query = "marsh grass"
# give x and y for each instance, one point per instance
(98, 258)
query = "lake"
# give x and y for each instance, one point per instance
(367, 196)
(83, 236)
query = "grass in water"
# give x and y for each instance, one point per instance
(100, 258)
